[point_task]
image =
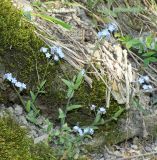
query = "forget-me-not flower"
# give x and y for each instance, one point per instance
(143, 79)
(8, 76)
(48, 55)
(57, 51)
(14, 81)
(56, 58)
(112, 27)
(104, 33)
(88, 131)
(102, 110)
(147, 87)
(93, 107)
(43, 49)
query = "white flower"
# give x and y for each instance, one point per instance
(112, 27)
(141, 80)
(53, 49)
(150, 87)
(93, 107)
(56, 58)
(43, 49)
(147, 87)
(104, 33)
(23, 86)
(146, 78)
(80, 132)
(83, 71)
(57, 50)
(76, 128)
(18, 84)
(60, 52)
(48, 55)
(13, 80)
(88, 131)
(102, 110)
(27, 9)
(8, 76)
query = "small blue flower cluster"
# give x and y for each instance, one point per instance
(14, 81)
(84, 131)
(55, 51)
(101, 110)
(111, 27)
(144, 81)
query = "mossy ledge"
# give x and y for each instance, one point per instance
(15, 144)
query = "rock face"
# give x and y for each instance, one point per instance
(135, 125)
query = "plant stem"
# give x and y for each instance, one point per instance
(19, 96)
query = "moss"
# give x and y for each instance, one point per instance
(15, 145)
(19, 46)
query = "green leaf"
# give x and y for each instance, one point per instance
(148, 54)
(72, 107)
(149, 60)
(42, 84)
(118, 113)
(149, 40)
(78, 80)
(70, 93)
(57, 133)
(28, 106)
(33, 96)
(97, 119)
(132, 43)
(68, 83)
(61, 114)
(54, 20)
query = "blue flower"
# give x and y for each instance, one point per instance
(93, 107)
(48, 55)
(104, 33)
(8, 76)
(43, 49)
(112, 27)
(57, 51)
(88, 131)
(56, 58)
(102, 110)
(14, 81)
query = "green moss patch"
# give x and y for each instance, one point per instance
(15, 145)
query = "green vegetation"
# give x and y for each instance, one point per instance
(15, 145)
(146, 47)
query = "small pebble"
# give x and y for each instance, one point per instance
(18, 110)
(134, 146)
(148, 149)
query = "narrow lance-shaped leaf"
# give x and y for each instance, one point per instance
(72, 107)
(118, 113)
(28, 106)
(42, 84)
(33, 96)
(61, 114)
(79, 79)
(68, 83)
(54, 20)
